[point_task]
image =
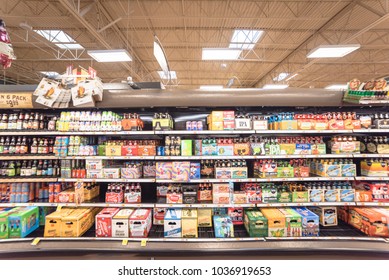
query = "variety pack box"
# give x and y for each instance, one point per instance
(181, 171)
(158, 216)
(164, 170)
(78, 222)
(223, 226)
(310, 221)
(4, 223)
(371, 221)
(120, 223)
(255, 223)
(111, 173)
(104, 222)
(23, 221)
(53, 222)
(276, 222)
(204, 217)
(293, 222)
(140, 223)
(189, 223)
(327, 215)
(222, 193)
(172, 223)
(236, 214)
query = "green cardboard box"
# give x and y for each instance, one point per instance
(4, 228)
(22, 222)
(293, 222)
(255, 223)
(186, 148)
(284, 196)
(300, 196)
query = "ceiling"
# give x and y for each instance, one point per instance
(292, 30)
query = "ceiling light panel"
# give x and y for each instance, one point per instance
(220, 54)
(60, 38)
(332, 51)
(110, 55)
(245, 39)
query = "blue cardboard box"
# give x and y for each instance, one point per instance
(310, 221)
(223, 226)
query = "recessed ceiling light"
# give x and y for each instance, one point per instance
(337, 87)
(281, 77)
(211, 87)
(60, 38)
(245, 39)
(274, 86)
(171, 75)
(110, 55)
(221, 54)
(50, 74)
(327, 51)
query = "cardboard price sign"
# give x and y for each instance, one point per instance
(15, 100)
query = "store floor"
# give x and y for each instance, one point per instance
(200, 256)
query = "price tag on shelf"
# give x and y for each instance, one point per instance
(143, 243)
(125, 242)
(35, 241)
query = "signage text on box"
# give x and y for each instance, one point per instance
(15, 100)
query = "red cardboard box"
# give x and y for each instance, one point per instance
(112, 197)
(104, 222)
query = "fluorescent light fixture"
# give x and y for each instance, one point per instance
(50, 74)
(160, 56)
(337, 87)
(245, 39)
(274, 86)
(110, 55)
(172, 75)
(281, 77)
(211, 87)
(221, 54)
(59, 38)
(291, 77)
(326, 51)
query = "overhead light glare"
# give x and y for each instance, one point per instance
(245, 39)
(274, 86)
(110, 55)
(281, 77)
(59, 38)
(50, 74)
(211, 87)
(221, 54)
(171, 75)
(337, 87)
(330, 51)
(160, 56)
(291, 77)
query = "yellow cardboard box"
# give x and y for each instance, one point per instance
(204, 217)
(78, 222)
(189, 223)
(53, 222)
(276, 222)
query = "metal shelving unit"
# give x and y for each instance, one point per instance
(28, 180)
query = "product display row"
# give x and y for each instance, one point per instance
(19, 222)
(216, 120)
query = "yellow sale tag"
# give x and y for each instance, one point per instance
(125, 242)
(59, 207)
(35, 242)
(143, 243)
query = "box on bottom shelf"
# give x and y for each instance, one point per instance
(327, 215)
(223, 226)
(255, 223)
(104, 222)
(172, 223)
(120, 223)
